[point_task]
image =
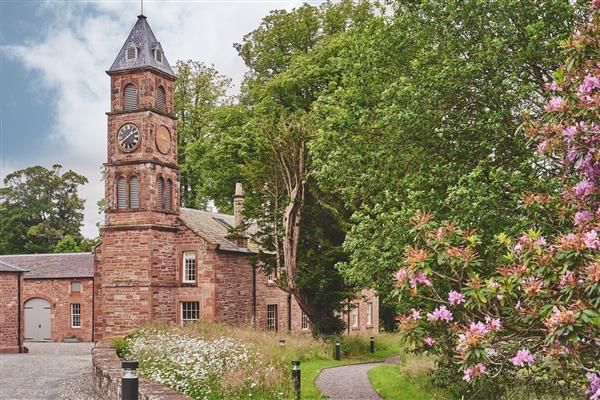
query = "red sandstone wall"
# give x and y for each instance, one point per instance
(58, 293)
(9, 343)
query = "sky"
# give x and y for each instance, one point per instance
(53, 88)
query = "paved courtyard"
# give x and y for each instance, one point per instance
(57, 371)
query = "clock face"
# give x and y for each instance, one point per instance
(163, 139)
(128, 137)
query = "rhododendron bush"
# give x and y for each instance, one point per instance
(531, 322)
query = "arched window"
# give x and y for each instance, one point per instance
(160, 192)
(131, 53)
(130, 97)
(134, 192)
(121, 194)
(168, 194)
(160, 98)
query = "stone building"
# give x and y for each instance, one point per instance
(156, 261)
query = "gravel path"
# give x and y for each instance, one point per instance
(57, 371)
(349, 382)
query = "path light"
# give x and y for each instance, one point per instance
(337, 351)
(281, 342)
(129, 383)
(296, 377)
(372, 344)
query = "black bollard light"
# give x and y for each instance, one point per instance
(281, 342)
(296, 378)
(337, 351)
(130, 382)
(372, 344)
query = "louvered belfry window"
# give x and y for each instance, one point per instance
(134, 192)
(131, 53)
(121, 193)
(130, 97)
(160, 98)
(168, 194)
(160, 183)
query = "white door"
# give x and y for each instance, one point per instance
(38, 322)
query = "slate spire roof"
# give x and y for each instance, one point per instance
(142, 38)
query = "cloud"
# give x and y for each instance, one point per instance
(81, 41)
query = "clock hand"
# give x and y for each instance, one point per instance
(127, 137)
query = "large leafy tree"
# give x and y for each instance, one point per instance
(38, 208)
(426, 117)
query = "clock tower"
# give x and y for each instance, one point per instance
(133, 262)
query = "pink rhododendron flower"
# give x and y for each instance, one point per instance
(419, 277)
(523, 357)
(455, 297)
(590, 239)
(493, 324)
(553, 86)
(474, 372)
(589, 84)
(582, 217)
(554, 104)
(479, 328)
(440, 314)
(541, 147)
(415, 314)
(583, 188)
(569, 132)
(595, 4)
(593, 378)
(401, 275)
(429, 341)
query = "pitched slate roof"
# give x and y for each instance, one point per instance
(214, 228)
(65, 265)
(7, 267)
(143, 38)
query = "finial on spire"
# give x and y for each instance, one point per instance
(141, 7)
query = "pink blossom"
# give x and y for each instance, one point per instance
(582, 217)
(471, 373)
(591, 239)
(589, 84)
(594, 378)
(541, 241)
(401, 275)
(440, 314)
(455, 297)
(493, 324)
(415, 314)
(541, 147)
(419, 277)
(569, 132)
(553, 86)
(595, 4)
(554, 104)
(479, 328)
(583, 188)
(523, 356)
(429, 341)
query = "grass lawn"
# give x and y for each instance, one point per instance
(405, 381)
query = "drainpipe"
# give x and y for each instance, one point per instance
(289, 312)
(348, 317)
(19, 276)
(254, 295)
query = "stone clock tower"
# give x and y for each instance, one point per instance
(135, 263)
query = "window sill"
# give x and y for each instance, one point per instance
(189, 284)
(76, 327)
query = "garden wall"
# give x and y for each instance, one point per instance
(107, 377)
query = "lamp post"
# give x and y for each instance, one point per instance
(296, 378)
(130, 381)
(372, 344)
(337, 351)
(282, 343)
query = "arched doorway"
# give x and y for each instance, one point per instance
(38, 320)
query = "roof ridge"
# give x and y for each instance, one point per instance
(206, 211)
(45, 254)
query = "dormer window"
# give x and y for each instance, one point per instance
(131, 53)
(158, 56)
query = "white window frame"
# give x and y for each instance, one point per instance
(304, 321)
(369, 313)
(272, 317)
(190, 311)
(354, 316)
(188, 256)
(75, 315)
(271, 277)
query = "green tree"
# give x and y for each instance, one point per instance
(38, 207)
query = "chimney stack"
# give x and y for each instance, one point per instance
(238, 205)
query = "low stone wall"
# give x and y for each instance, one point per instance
(107, 377)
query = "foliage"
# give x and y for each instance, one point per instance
(38, 208)
(528, 321)
(193, 359)
(423, 116)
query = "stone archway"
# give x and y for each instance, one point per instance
(38, 320)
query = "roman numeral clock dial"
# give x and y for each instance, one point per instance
(128, 137)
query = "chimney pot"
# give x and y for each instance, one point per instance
(238, 205)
